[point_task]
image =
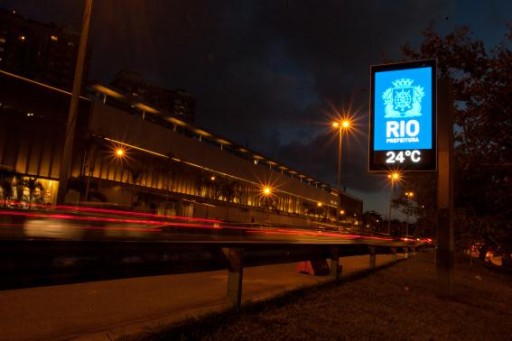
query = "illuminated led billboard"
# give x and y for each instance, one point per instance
(403, 117)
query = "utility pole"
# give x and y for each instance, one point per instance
(445, 253)
(67, 154)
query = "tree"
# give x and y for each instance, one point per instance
(6, 179)
(206, 183)
(481, 80)
(134, 174)
(80, 185)
(150, 200)
(33, 184)
(372, 221)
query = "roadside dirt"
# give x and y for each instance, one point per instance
(400, 302)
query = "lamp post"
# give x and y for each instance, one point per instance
(341, 125)
(409, 196)
(267, 197)
(394, 176)
(319, 206)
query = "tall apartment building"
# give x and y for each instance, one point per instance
(39, 51)
(172, 103)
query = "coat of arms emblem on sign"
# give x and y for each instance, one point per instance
(403, 99)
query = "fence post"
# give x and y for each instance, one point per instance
(335, 263)
(235, 276)
(373, 257)
(393, 254)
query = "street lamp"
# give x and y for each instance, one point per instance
(341, 126)
(267, 199)
(393, 177)
(409, 196)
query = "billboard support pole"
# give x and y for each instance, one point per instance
(444, 232)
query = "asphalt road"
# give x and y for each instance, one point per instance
(84, 225)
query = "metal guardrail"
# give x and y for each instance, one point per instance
(36, 262)
(76, 245)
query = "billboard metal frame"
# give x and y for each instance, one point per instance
(399, 158)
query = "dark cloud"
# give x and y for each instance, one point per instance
(269, 74)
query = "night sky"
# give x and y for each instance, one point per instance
(271, 74)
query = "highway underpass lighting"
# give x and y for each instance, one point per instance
(120, 152)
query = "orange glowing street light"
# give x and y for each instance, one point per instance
(343, 124)
(394, 176)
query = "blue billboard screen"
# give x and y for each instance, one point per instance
(403, 116)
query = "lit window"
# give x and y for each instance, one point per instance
(22, 38)
(54, 38)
